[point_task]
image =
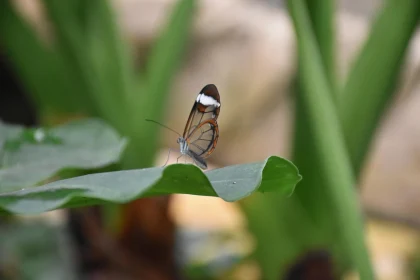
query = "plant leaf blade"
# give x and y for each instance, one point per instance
(127, 185)
(29, 156)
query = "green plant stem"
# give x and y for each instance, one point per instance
(373, 77)
(280, 237)
(41, 68)
(311, 194)
(72, 41)
(322, 17)
(155, 83)
(329, 142)
(110, 60)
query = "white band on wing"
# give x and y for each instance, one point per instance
(207, 100)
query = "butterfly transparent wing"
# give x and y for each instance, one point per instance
(206, 107)
(203, 139)
(197, 159)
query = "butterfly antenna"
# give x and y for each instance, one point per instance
(163, 126)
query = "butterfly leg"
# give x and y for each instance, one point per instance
(167, 158)
(178, 158)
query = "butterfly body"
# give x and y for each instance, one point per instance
(201, 132)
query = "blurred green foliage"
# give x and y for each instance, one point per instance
(36, 250)
(30, 156)
(335, 125)
(84, 67)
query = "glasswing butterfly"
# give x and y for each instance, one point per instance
(201, 131)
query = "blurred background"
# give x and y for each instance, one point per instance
(127, 60)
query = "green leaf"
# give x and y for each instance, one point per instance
(36, 250)
(110, 60)
(40, 67)
(163, 63)
(247, 176)
(322, 14)
(323, 125)
(372, 79)
(231, 183)
(29, 156)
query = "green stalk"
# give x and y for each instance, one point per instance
(329, 142)
(164, 60)
(41, 68)
(109, 54)
(323, 22)
(311, 192)
(280, 226)
(373, 77)
(70, 41)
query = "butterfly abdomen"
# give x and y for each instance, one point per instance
(197, 159)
